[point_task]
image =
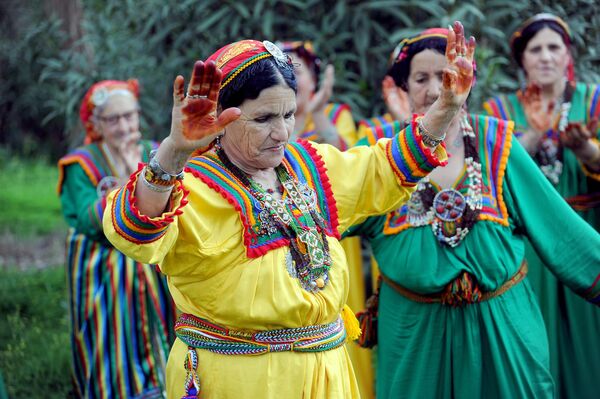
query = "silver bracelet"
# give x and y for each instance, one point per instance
(428, 139)
(154, 187)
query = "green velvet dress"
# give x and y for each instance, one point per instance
(572, 323)
(495, 348)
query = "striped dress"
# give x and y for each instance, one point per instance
(122, 315)
(341, 117)
(572, 323)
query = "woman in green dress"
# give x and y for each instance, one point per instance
(556, 121)
(456, 315)
(122, 314)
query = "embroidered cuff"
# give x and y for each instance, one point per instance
(130, 224)
(410, 159)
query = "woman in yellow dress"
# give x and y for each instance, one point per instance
(246, 225)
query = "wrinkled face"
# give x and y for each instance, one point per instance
(425, 79)
(545, 58)
(258, 138)
(305, 80)
(118, 119)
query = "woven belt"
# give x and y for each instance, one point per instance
(199, 333)
(462, 291)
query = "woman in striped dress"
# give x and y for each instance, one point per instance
(121, 312)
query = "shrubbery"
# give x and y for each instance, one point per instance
(154, 40)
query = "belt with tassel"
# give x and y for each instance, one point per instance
(462, 291)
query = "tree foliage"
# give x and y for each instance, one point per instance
(153, 40)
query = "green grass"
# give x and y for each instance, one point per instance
(29, 204)
(34, 333)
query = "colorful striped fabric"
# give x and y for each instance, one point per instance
(410, 159)
(494, 147)
(122, 317)
(135, 227)
(303, 164)
(375, 128)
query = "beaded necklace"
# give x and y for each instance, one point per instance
(450, 214)
(295, 216)
(550, 153)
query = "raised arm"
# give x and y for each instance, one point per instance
(194, 126)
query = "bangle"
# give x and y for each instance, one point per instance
(155, 187)
(156, 175)
(428, 139)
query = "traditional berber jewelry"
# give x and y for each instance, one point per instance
(428, 139)
(156, 176)
(196, 96)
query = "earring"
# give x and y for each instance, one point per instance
(218, 140)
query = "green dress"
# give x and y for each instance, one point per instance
(495, 348)
(572, 324)
(122, 314)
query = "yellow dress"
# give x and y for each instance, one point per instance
(218, 270)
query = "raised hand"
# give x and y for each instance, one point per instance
(194, 121)
(457, 77)
(395, 99)
(320, 99)
(538, 117)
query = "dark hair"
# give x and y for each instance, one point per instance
(400, 69)
(313, 63)
(251, 81)
(519, 43)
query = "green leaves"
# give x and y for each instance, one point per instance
(154, 41)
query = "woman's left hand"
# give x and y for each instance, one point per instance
(576, 135)
(457, 77)
(320, 99)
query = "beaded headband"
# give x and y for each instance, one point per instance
(97, 95)
(401, 50)
(233, 58)
(539, 18)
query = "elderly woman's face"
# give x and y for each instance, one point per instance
(425, 79)
(545, 58)
(258, 138)
(118, 119)
(305, 80)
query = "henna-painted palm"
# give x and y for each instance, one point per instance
(457, 77)
(194, 118)
(395, 99)
(538, 117)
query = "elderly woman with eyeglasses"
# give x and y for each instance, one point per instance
(121, 312)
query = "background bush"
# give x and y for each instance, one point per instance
(53, 56)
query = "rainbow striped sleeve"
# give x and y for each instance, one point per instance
(410, 159)
(130, 224)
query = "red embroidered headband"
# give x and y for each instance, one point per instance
(233, 58)
(401, 50)
(96, 96)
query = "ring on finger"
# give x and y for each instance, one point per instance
(196, 96)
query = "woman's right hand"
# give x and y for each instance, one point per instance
(194, 122)
(538, 117)
(395, 99)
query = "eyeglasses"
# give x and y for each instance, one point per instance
(113, 120)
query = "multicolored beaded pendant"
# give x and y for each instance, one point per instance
(450, 213)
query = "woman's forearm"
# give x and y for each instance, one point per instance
(149, 201)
